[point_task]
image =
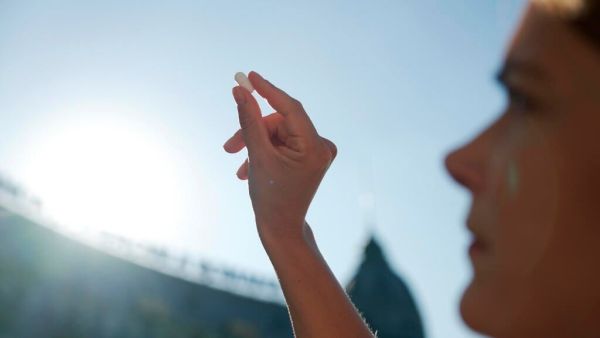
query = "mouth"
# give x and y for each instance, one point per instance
(478, 245)
(477, 248)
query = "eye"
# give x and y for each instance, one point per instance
(519, 101)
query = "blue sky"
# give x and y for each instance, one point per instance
(395, 84)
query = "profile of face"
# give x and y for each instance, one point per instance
(534, 178)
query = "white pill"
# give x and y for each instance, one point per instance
(243, 81)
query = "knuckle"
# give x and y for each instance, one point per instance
(247, 122)
(332, 147)
(326, 157)
(296, 104)
(299, 144)
(322, 157)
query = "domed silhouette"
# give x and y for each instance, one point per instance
(70, 288)
(383, 298)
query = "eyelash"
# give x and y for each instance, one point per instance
(518, 101)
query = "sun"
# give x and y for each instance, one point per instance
(106, 176)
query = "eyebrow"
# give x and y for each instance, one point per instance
(525, 68)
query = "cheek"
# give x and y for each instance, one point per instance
(527, 211)
(512, 178)
(520, 212)
(523, 200)
(569, 275)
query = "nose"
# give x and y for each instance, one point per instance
(464, 165)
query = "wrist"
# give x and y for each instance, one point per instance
(285, 235)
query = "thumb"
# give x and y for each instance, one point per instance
(254, 131)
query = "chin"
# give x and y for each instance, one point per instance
(468, 308)
(488, 309)
(475, 309)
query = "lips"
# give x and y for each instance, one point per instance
(478, 245)
(476, 248)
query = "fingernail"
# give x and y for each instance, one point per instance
(239, 96)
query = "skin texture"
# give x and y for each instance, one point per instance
(533, 176)
(287, 161)
(512, 178)
(535, 267)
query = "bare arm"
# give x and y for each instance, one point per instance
(318, 305)
(287, 161)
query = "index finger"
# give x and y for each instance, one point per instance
(295, 116)
(277, 98)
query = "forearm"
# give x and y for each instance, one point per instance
(287, 159)
(318, 305)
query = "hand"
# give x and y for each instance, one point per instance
(287, 159)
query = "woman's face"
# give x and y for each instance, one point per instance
(534, 176)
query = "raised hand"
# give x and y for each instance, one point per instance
(287, 158)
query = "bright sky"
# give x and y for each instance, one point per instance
(112, 103)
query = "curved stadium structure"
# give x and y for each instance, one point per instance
(52, 285)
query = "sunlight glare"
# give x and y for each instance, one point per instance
(107, 177)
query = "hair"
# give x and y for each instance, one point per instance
(582, 15)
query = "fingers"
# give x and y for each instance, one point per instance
(242, 172)
(276, 97)
(254, 132)
(236, 142)
(286, 105)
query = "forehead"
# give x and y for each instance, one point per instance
(537, 40)
(553, 48)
